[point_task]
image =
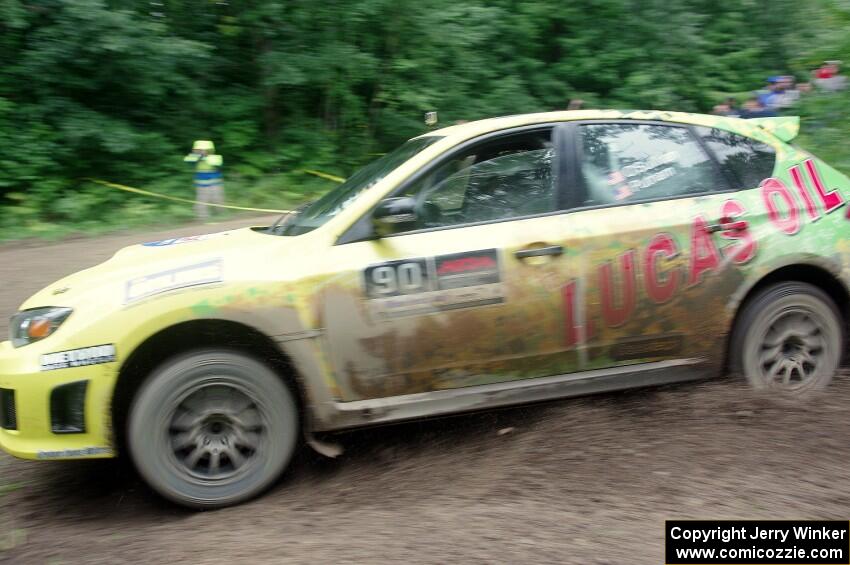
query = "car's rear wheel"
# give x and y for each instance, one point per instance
(788, 339)
(212, 428)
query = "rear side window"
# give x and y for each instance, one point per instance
(745, 161)
(631, 163)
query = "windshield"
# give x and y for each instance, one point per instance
(345, 194)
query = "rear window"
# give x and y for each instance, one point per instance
(745, 161)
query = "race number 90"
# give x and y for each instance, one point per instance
(397, 277)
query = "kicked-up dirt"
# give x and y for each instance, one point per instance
(577, 481)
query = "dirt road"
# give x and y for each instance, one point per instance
(580, 481)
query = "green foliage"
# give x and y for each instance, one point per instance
(118, 90)
(824, 127)
(824, 130)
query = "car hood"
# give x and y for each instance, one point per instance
(138, 271)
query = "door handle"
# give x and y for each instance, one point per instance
(727, 224)
(539, 252)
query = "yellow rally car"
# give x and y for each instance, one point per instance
(491, 263)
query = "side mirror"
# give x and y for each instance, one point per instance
(394, 215)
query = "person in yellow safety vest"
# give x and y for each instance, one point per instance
(209, 185)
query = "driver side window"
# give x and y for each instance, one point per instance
(504, 178)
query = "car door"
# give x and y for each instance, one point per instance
(661, 239)
(473, 294)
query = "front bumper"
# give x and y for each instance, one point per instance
(39, 430)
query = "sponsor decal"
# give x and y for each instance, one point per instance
(181, 240)
(744, 246)
(467, 269)
(617, 312)
(207, 272)
(660, 283)
(646, 165)
(619, 283)
(705, 256)
(433, 284)
(782, 209)
(396, 278)
(82, 452)
(78, 357)
(710, 248)
(637, 176)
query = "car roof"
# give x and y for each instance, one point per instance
(479, 127)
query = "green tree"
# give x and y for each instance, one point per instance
(118, 89)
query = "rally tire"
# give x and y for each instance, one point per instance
(788, 340)
(212, 428)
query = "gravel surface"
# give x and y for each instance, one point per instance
(580, 481)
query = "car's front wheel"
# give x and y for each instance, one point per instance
(788, 339)
(212, 428)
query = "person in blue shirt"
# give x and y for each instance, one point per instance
(768, 98)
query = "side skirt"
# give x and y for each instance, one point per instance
(451, 401)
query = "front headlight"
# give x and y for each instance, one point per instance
(36, 324)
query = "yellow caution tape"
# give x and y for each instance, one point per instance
(178, 199)
(323, 175)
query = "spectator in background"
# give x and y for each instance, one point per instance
(209, 186)
(826, 71)
(768, 97)
(787, 93)
(780, 93)
(754, 109)
(722, 110)
(828, 77)
(575, 104)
